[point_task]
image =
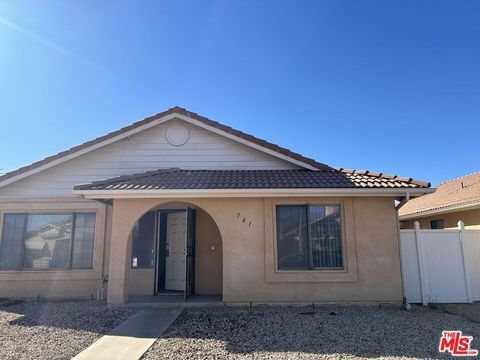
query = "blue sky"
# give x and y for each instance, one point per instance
(392, 86)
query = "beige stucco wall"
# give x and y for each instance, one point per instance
(141, 281)
(55, 283)
(471, 219)
(247, 230)
(208, 261)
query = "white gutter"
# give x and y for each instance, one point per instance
(444, 210)
(227, 193)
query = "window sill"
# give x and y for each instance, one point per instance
(53, 274)
(310, 276)
(319, 270)
(47, 270)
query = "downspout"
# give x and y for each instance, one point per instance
(403, 201)
(399, 205)
(103, 280)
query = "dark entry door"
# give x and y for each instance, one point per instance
(190, 254)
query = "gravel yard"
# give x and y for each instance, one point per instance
(34, 330)
(326, 332)
(61, 330)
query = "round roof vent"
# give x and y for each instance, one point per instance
(177, 135)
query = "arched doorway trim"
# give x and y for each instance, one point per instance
(208, 250)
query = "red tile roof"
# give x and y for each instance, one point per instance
(450, 194)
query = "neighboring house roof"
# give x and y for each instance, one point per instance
(248, 179)
(458, 193)
(361, 176)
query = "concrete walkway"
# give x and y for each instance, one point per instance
(133, 337)
(173, 301)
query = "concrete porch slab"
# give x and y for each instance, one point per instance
(153, 302)
(133, 337)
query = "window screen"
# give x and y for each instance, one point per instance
(309, 237)
(84, 234)
(326, 236)
(11, 244)
(143, 237)
(292, 246)
(47, 241)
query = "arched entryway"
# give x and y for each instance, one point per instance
(174, 248)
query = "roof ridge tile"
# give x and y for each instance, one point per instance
(459, 178)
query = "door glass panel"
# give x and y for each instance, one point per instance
(143, 237)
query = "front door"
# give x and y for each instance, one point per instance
(176, 247)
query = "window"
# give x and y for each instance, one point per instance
(11, 245)
(47, 241)
(83, 236)
(309, 237)
(436, 224)
(143, 237)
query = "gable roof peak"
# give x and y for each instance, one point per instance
(250, 140)
(196, 119)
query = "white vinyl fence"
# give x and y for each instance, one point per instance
(441, 266)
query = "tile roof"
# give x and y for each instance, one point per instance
(249, 179)
(457, 192)
(368, 179)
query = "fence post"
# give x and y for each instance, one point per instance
(466, 263)
(421, 264)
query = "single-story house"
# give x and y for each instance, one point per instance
(180, 203)
(454, 200)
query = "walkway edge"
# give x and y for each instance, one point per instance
(132, 338)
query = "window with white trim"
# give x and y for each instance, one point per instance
(309, 237)
(47, 241)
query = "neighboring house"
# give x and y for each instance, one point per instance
(178, 202)
(454, 200)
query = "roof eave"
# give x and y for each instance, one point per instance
(438, 211)
(228, 193)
